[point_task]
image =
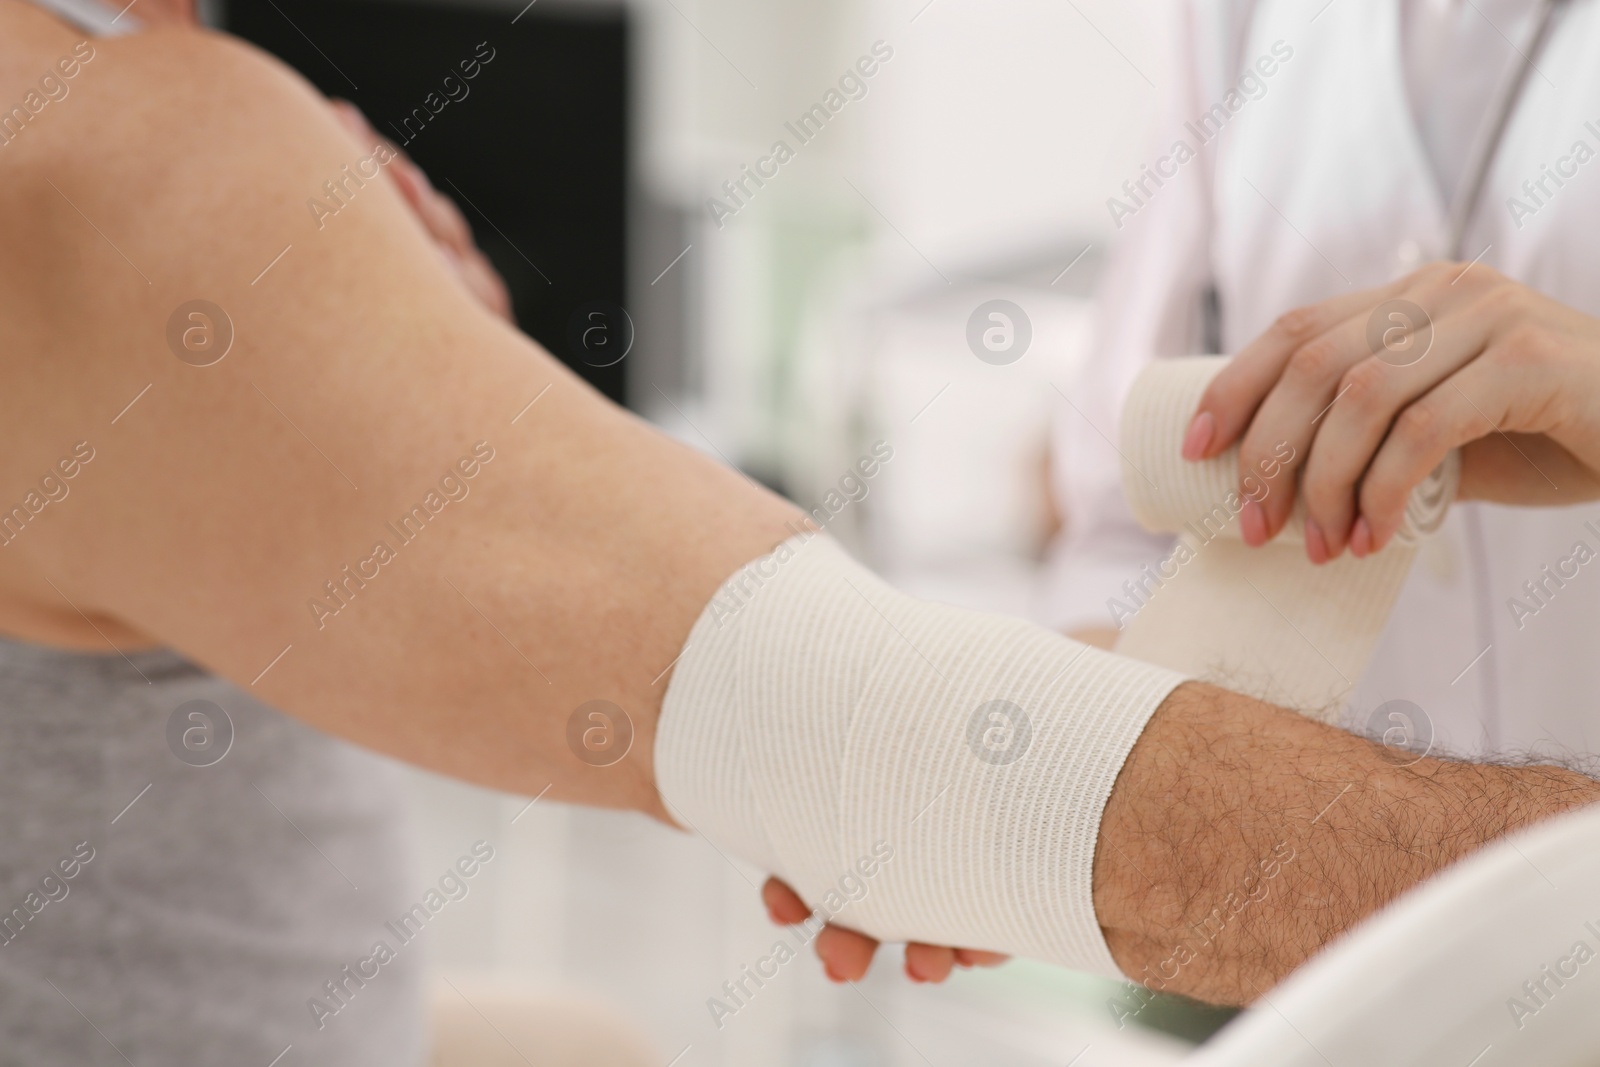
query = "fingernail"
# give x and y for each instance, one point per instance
(833, 976)
(1361, 539)
(1316, 544)
(1198, 439)
(1253, 524)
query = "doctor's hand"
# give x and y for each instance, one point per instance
(846, 954)
(1374, 388)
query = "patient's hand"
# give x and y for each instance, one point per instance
(438, 214)
(846, 954)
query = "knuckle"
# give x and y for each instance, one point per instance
(1315, 361)
(1457, 275)
(1419, 425)
(1363, 384)
(1436, 285)
(1482, 276)
(1502, 301)
(1440, 270)
(1298, 325)
(1258, 441)
(1526, 345)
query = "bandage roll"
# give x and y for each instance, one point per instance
(1169, 494)
(918, 771)
(1263, 621)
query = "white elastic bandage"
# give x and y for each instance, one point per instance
(818, 717)
(1263, 621)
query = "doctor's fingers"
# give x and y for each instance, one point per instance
(1365, 361)
(1466, 407)
(1286, 423)
(1232, 398)
(1375, 399)
(1231, 401)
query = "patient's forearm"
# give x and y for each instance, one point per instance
(1241, 837)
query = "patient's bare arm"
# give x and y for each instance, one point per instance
(1241, 838)
(539, 547)
(234, 511)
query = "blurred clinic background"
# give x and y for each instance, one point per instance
(787, 326)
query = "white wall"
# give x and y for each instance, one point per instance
(1007, 125)
(994, 134)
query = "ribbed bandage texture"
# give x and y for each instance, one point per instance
(816, 715)
(1263, 621)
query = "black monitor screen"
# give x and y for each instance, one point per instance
(533, 147)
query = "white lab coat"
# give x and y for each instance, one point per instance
(1321, 186)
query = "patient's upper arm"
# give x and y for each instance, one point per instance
(231, 499)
